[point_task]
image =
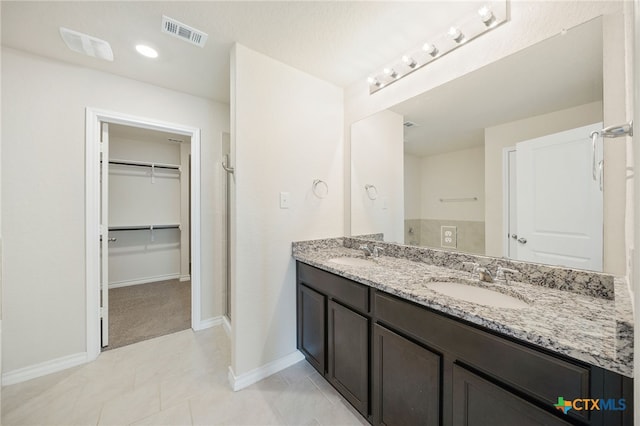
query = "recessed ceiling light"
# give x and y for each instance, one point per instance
(147, 51)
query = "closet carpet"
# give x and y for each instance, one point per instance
(145, 311)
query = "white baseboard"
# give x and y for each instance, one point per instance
(184, 278)
(53, 366)
(208, 323)
(226, 324)
(257, 374)
(145, 280)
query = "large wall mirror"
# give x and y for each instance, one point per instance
(499, 162)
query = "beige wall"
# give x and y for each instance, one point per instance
(458, 174)
(287, 131)
(412, 187)
(43, 133)
(508, 134)
(377, 159)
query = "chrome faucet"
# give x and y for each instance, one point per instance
(503, 274)
(484, 274)
(377, 250)
(366, 250)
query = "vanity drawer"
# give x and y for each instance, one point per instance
(541, 376)
(338, 288)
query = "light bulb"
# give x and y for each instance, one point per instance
(487, 16)
(409, 61)
(391, 72)
(431, 49)
(456, 34)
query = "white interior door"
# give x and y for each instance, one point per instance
(104, 235)
(559, 205)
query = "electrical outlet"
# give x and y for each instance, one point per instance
(449, 236)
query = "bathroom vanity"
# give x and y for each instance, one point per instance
(402, 353)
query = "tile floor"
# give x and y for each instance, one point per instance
(178, 379)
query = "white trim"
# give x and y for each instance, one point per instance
(184, 278)
(506, 199)
(92, 214)
(257, 374)
(208, 323)
(145, 280)
(52, 366)
(226, 324)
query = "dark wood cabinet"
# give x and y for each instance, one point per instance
(478, 402)
(406, 381)
(311, 326)
(400, 363)
(333, 331)
(348, 350)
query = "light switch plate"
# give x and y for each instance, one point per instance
(285, 200)
(449, 236)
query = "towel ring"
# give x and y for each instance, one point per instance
(371, 194)
(317, 188)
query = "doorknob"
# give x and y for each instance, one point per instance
(112, 240)
(522, 240)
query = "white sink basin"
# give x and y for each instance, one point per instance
(351, 261)
(479, 295)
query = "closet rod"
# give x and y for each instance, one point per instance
(144, 164)
(142, 227)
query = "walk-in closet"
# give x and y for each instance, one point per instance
(149, 291)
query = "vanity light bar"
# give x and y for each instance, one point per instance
(487, 17)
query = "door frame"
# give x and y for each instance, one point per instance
(507, 181)
(94, 117)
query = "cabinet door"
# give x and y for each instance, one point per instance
(348, 346)
(311, 326)
(406, 381)
(478, 402)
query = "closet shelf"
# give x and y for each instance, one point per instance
(145, 164)
(144, 227)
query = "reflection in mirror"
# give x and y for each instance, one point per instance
(499, 162)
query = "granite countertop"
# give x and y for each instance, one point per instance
(595, 330)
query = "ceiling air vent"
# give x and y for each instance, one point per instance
(83, 43)
(183, 32)
(408, 124)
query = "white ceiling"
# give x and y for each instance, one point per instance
(561, 72)
(337, 41)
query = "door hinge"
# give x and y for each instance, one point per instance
(101, 312)
(101, 146)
